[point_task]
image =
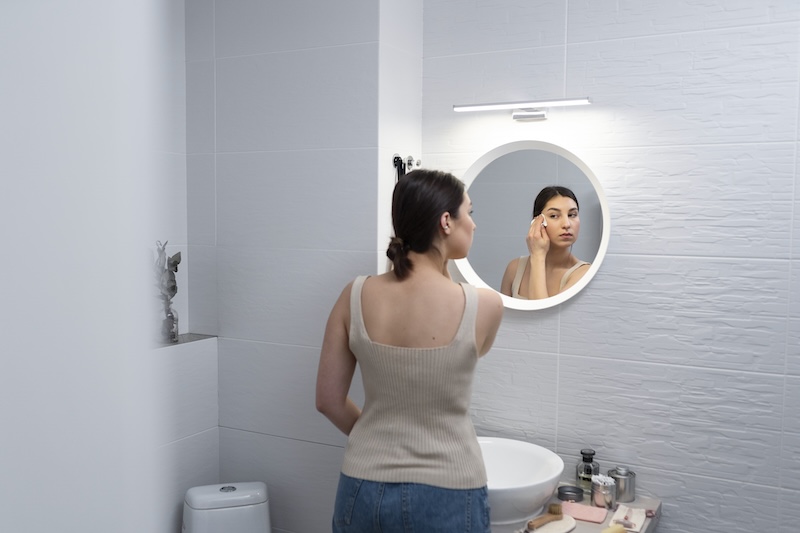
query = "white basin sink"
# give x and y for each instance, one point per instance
(522, 477)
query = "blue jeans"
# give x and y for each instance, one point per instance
(371, 507)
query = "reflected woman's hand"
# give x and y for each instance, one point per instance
(537, 239)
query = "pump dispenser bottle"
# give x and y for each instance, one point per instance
(585, 469)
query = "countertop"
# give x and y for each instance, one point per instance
(641, 502)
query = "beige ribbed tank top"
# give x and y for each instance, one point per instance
(415, 425)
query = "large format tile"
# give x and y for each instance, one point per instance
(301, 477)
(246, 27)
(705, 87)
(788, 510)
(187, 389)
(453, 27)
(201, 194)
(257, 381)
(283, 296)
(298, 199)
(317, 98)
(703, 312)
(200, 108)
(203, 296)
(199, 30)
(189, 462)
(722, 424)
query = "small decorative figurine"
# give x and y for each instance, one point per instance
(166, 267)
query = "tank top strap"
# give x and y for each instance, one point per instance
(357, 327)
(568, 273)
(467, 328)
(521, 264)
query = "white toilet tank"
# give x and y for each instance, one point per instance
(227, 508)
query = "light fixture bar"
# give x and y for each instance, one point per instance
(527, 104)
(529, 114)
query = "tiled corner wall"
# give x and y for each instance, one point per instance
(681, 356)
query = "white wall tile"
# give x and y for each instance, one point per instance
(788, 510)
(515, 395)
(200, 107)
(694, 503)
(591, 20)
(698, 200)
(721, 424)
(199, 30)
(453, 27)
(310, 199)
(190, 462)
(707, 312)
(705, 87)
(259, 380)
(301, 477)
(246, 27)
(187, 380)
(202, 294)
(279, 295)
(201, 193)
(793, 347)
(791, 405)
(275, 101)
(169, 201)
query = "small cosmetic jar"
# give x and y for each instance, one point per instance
(604, 491)
(570, 493)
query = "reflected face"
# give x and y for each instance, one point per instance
(563, 222)
(463, 229)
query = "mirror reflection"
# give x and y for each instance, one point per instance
(503, 185)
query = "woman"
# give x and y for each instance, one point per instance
(412, 461)
(550, 268)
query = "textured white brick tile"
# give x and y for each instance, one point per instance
(699, 200)
(514, 396)
(788, 510)
(247, 27)
(699, 421)
(264, 199)
(706, 87)
(301, 477)
(693, 503)
(793, 347)
(457, 27)
(528, 331)
(791, 405)
(610, 19)
(279, 295)
(701, 312)
(790, 457)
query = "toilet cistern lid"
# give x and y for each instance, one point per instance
(226, 495)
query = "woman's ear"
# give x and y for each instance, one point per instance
(444, 221)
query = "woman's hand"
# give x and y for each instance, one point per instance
(537, 239)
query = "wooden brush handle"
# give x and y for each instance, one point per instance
(539, 521)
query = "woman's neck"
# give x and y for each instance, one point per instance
(559, 258)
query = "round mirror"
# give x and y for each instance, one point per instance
(502, 185)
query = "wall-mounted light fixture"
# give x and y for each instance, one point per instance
(525, 110)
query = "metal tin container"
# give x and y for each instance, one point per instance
(625, 479)
(604, 492)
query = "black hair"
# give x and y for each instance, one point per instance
(547, 194)
(419, 200)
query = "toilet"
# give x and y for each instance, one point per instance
(227, 508)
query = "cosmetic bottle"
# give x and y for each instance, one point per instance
(585, 469)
